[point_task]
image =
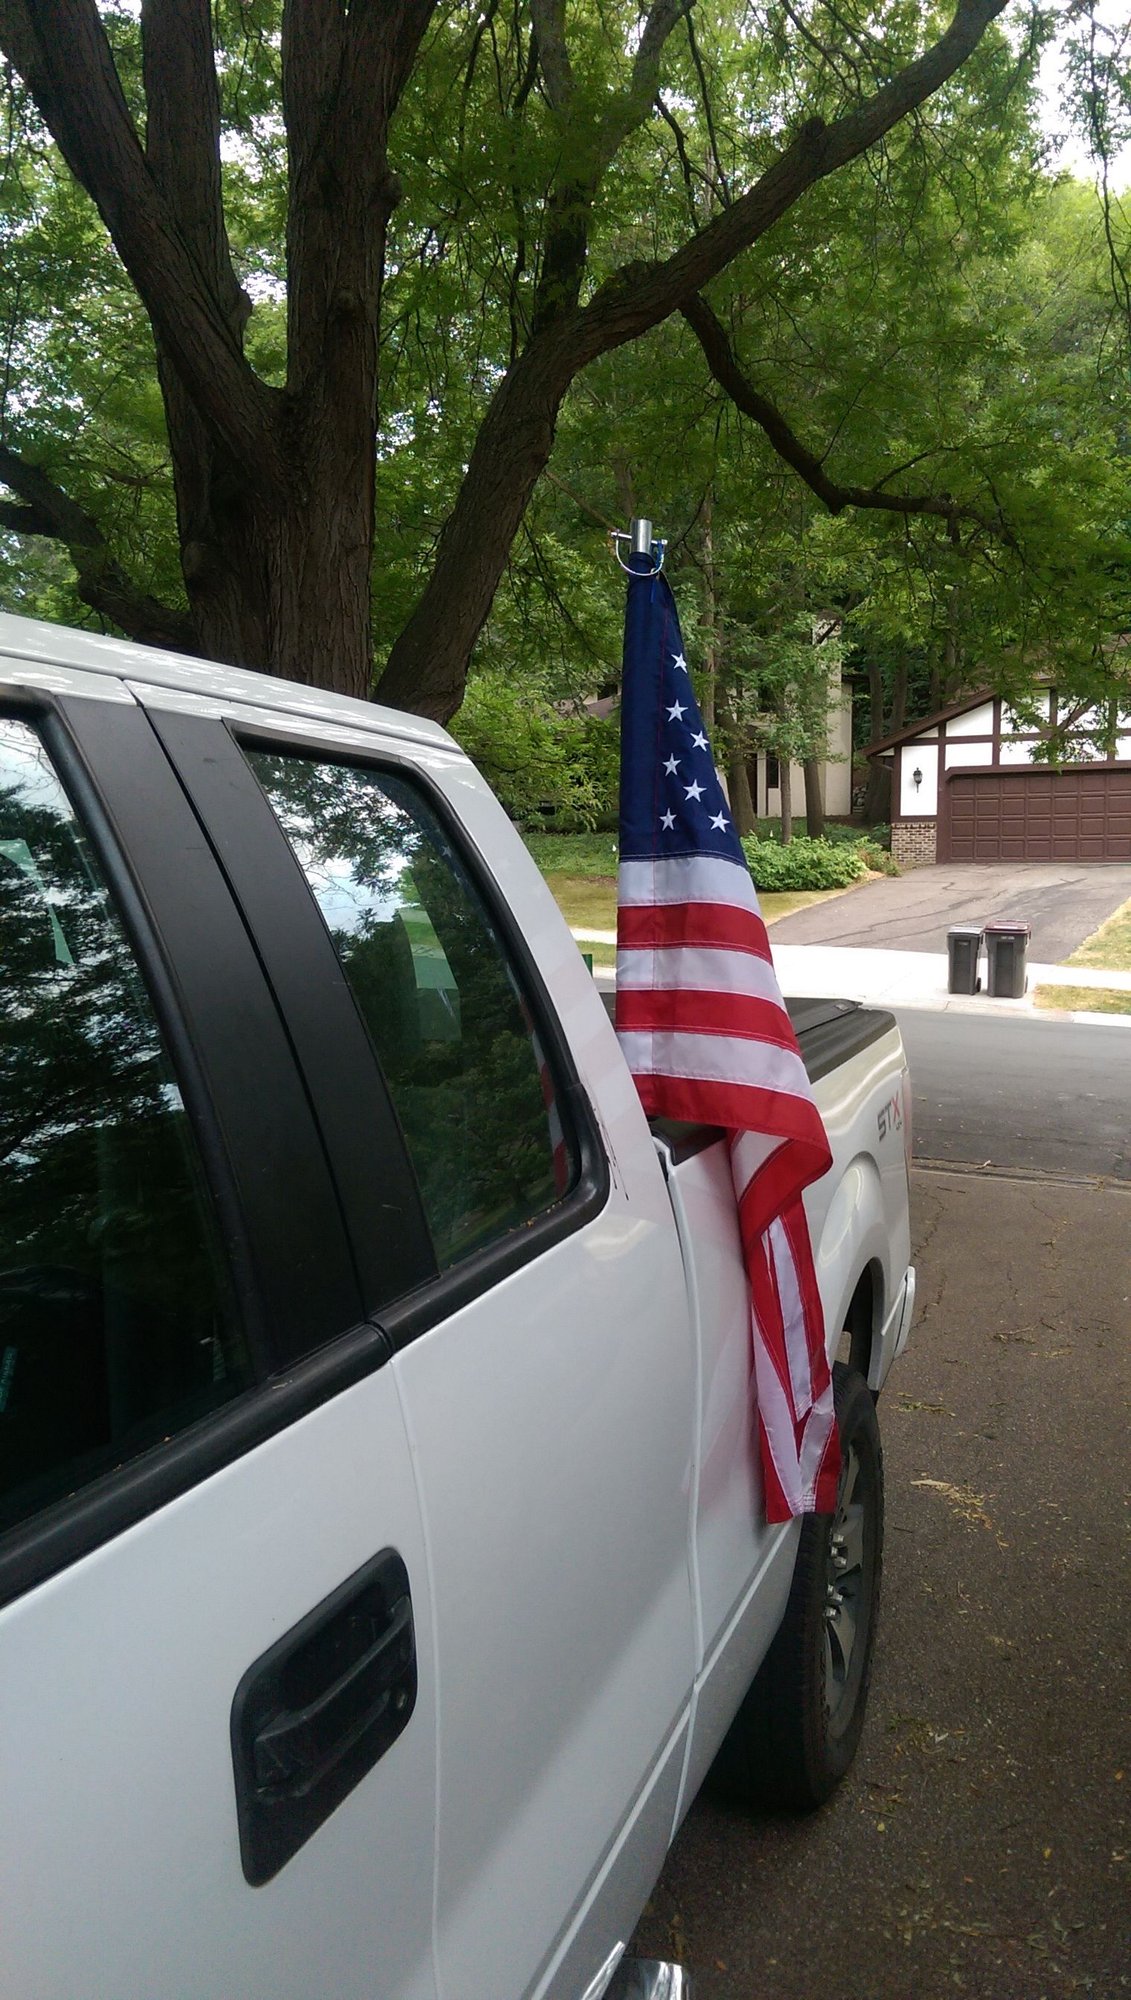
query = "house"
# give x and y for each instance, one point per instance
(965, 786)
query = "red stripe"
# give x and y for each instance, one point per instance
(654, 926)
(785, 1174)
(828, 1478)
(703, 1013)
(734, 1106)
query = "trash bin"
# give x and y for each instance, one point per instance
(1006, 947)
(963, 947)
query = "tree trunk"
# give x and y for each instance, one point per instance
(741, 800)
(785, 782)
(814, 798)
(877, 798)
(898, 698)
(710, 663)
(952, 650)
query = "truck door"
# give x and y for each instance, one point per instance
(543, 1348)
(217, 1706)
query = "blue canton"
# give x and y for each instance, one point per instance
(671, 800)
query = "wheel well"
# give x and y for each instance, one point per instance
(861, 1320)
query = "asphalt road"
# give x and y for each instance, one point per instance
(1051, 1096)
(981, 1844)
(1063, 901)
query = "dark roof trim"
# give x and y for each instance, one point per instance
(929, 721)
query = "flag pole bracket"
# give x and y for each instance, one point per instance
(641, 543)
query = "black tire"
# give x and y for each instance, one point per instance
(797, 1730)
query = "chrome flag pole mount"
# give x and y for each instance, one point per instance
(705, 1031)
(640, 543)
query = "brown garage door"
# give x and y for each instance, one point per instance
(1083, 814)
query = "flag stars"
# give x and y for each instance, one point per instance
(693, 791)
(699, 742)
(679, 663)
(720, 821)
(677, 712)
(668, 821)
(672, 766)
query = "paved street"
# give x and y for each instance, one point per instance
(1063, 901)
(1021, 1092)
(981, 1845)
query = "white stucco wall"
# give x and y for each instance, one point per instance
(976, 721)
(924, 800)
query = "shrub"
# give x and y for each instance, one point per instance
(804, 864)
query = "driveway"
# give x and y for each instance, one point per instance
(1064, 901)
(981, 1846)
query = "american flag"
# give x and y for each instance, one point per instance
(706, 1035)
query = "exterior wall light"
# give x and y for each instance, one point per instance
(916, 778)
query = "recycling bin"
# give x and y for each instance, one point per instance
(1006, 948)
(963, 948)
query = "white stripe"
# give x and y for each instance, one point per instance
(818, 1430)
(697, 968)
(748, 1155)
(777, 1422)
(686, 878)
(793, 1316)
(715, 1059)
(798, 1477)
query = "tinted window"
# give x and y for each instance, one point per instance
(115, 1327)
(431, 977)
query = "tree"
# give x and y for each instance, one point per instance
(274, 475)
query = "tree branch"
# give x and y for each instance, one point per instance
(723, 364)
(101, 581)
(639, 296)
(632, 108)
(61, 51)
(548, 17)
(427, 665)
(182, 139)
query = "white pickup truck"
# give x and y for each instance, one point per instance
(382, 1559)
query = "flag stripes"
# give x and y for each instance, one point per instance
(708, 1039)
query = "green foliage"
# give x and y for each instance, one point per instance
(804, 864)
(539, 761)
(935, 317)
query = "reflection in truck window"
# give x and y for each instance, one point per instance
(430, 975)
(115, 1322)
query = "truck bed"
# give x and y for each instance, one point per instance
(829, 1032)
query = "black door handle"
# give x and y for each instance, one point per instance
(316, 1711)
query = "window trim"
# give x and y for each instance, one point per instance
(128, 905)
(104, 754)
(440, 1293)
(331, 1042)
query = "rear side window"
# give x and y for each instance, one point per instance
(116, 1326)
(430, 974)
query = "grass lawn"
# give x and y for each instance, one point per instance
(581, 871)
(1083, 999)
(589, 904)
(1108, 948)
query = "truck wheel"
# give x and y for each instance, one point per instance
(796, 1732)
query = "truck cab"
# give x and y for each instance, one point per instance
(382, 1564)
